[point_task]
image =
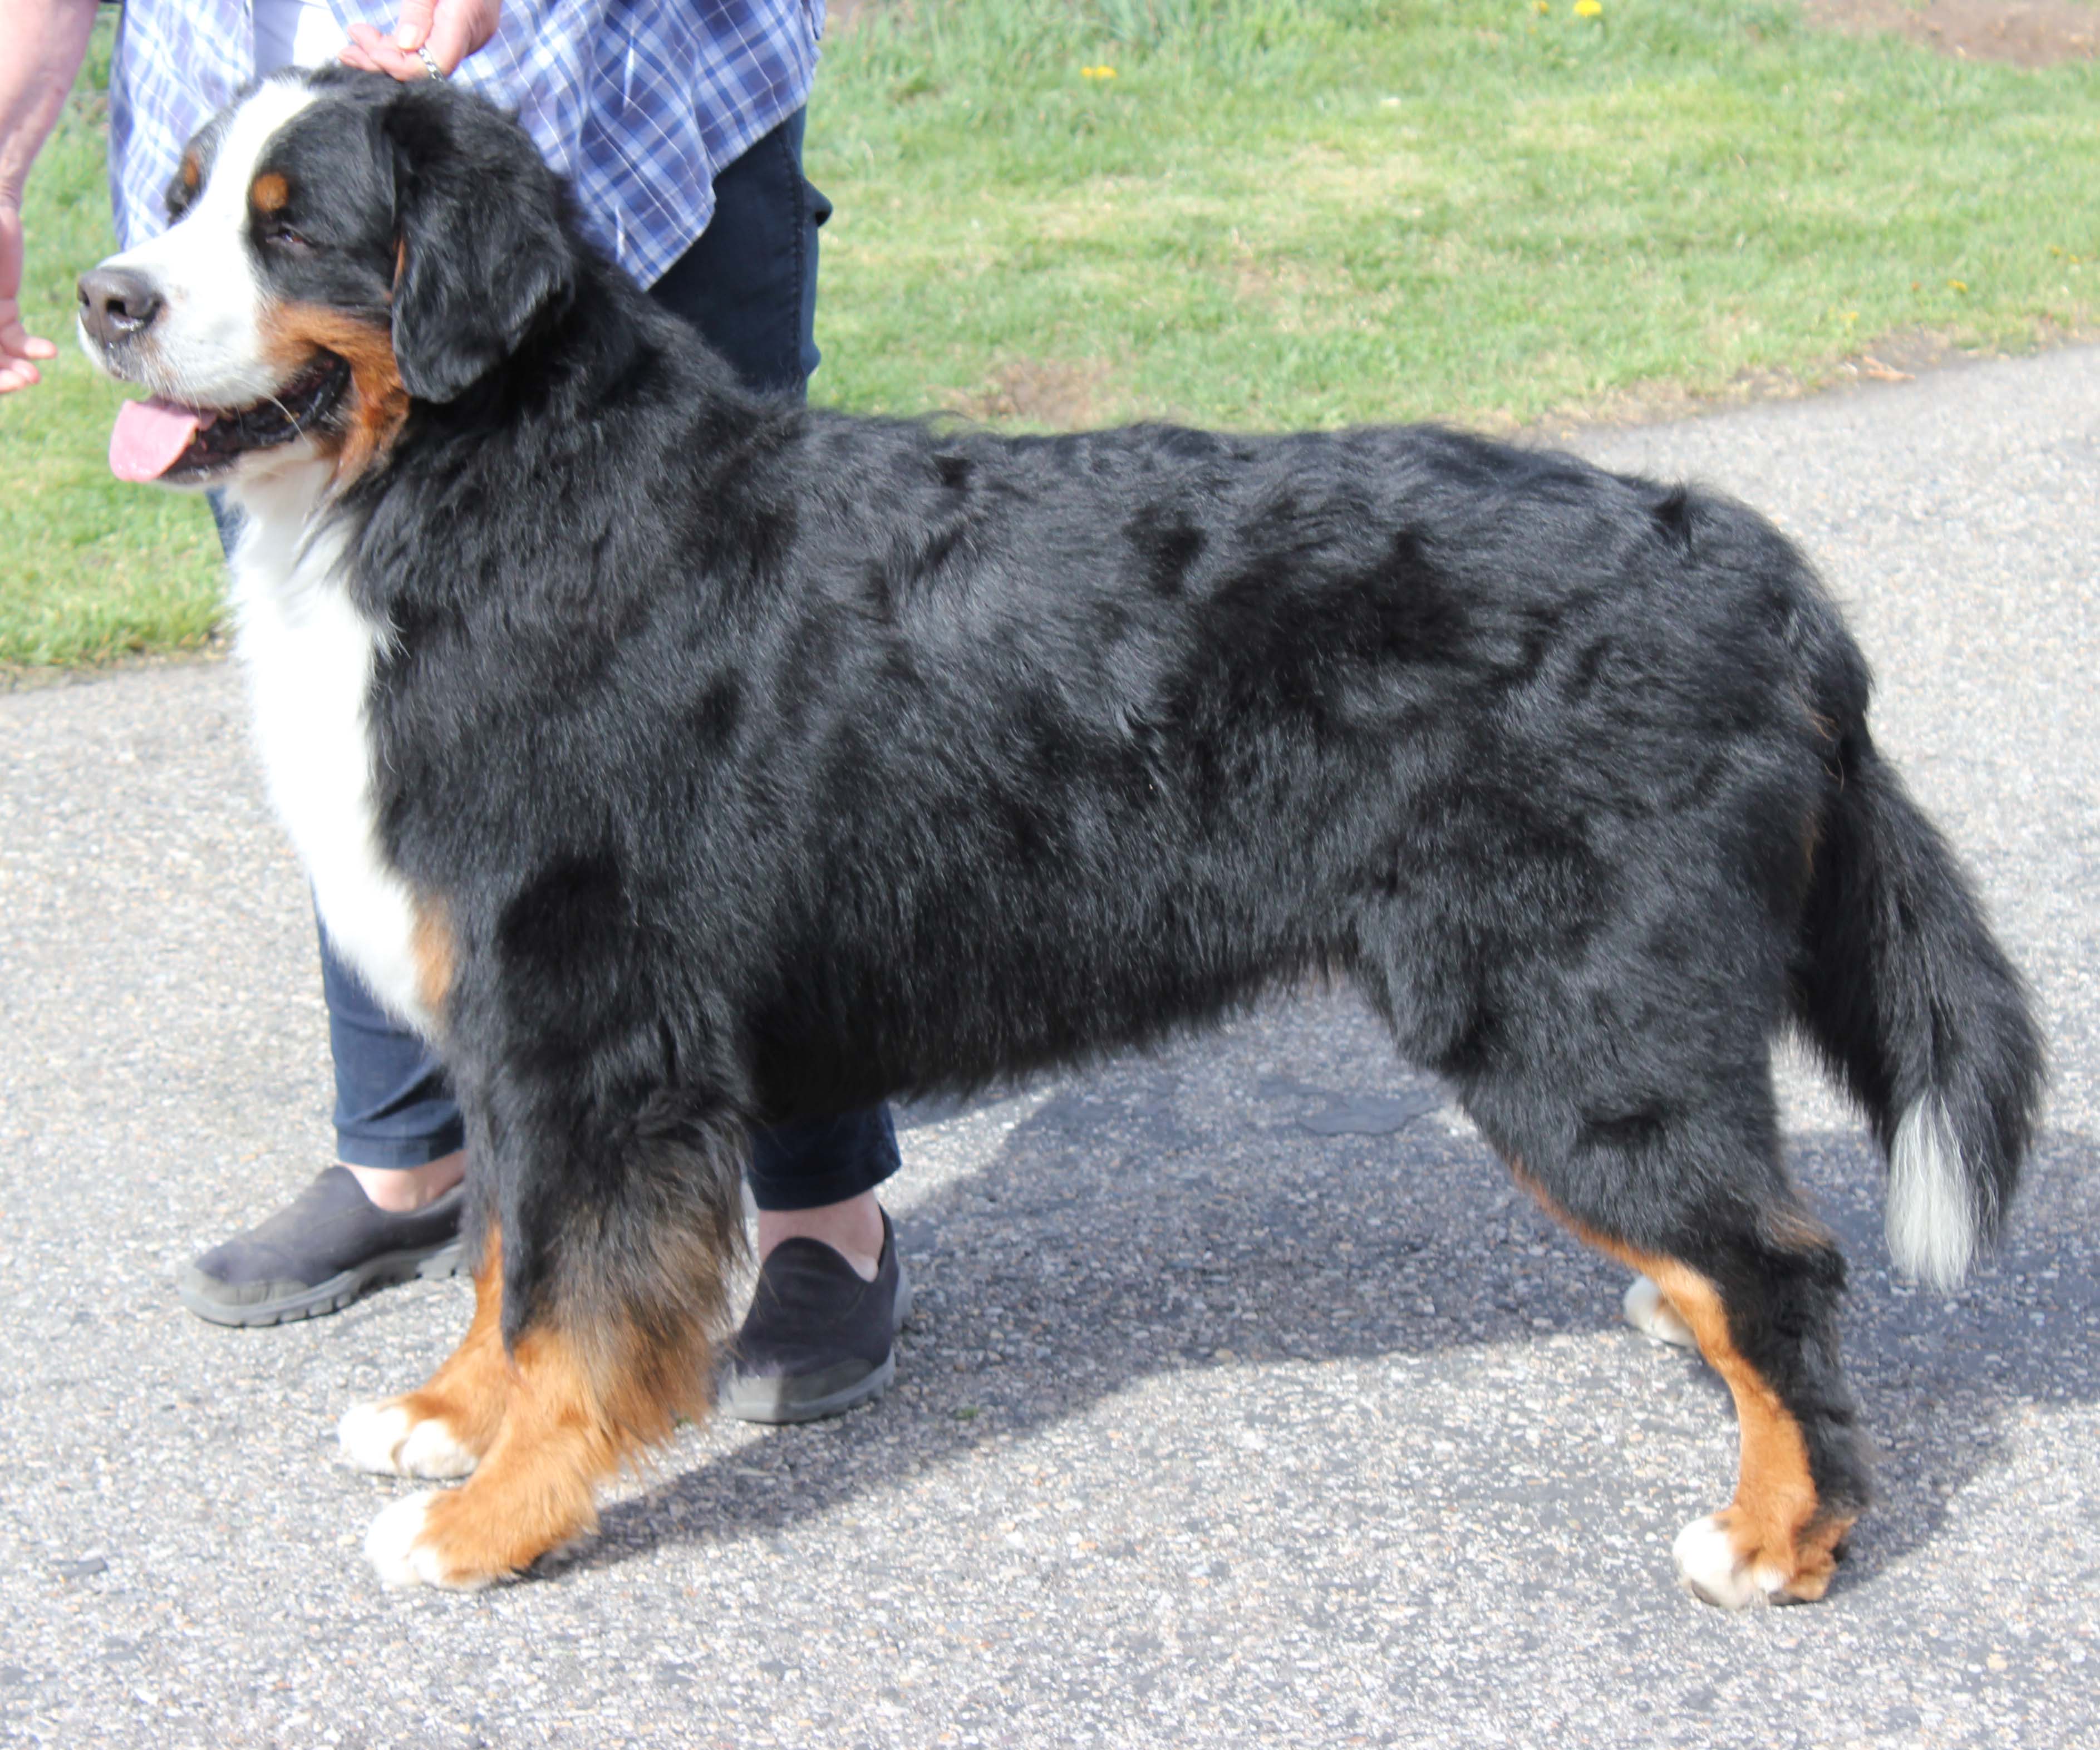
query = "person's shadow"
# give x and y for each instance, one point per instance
(1289, 1190)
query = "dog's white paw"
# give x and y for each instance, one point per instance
(380, 1438)
(1711, 1567)
(1651, 1314)
(402, 1562)
(371, 1437)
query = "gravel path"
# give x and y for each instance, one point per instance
(1245, 1403)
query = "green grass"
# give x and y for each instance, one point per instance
(1276, 212)
(1312, 214)
(90, 570)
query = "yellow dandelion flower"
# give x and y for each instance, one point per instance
(1588, 8)
(1097, 72)
(1959, 286)
(1542, 5)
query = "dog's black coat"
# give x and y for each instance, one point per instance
(765, 761)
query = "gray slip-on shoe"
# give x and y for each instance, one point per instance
(818, 1340)
(318, 1254)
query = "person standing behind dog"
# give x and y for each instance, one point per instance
(680, 127)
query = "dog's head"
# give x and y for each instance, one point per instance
(341, 244)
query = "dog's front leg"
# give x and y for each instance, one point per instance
(597, 1305)
(444, 1427)
(534, 1477)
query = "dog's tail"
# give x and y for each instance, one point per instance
(1902, 988)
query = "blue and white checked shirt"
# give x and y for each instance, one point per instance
(639, 102)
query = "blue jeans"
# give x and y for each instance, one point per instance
(749, 286)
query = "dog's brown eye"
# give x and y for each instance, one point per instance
(283, 236)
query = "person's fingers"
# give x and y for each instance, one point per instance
(448, 44)
(450, 30)
(414, 29)
(460, 27)
(17, 348)
(376, 53)
(354, 53)
(368, 49)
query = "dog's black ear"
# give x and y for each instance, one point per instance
(482, 256)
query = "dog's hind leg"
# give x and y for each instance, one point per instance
(1762, 1311)
(618, 1243)
(441, 1429)
(1697, 1201)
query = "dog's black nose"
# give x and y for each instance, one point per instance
(116, 304)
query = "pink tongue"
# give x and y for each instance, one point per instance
(148, 437)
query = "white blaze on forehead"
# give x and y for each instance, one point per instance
(207, 346)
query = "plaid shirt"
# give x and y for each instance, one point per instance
(640, 102)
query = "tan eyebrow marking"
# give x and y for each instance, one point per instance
(192, 172)
(270, 192)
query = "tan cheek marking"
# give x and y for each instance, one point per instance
(293, 333)
(430, 942)
(269, 192)
(1775, 1519)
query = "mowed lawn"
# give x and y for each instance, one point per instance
(1271, 212)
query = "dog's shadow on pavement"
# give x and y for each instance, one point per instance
(1143, 1220)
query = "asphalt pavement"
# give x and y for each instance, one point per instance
(1245, 1402)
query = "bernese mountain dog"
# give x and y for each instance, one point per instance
(681, 761)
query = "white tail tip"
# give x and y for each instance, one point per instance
(1932, 1206)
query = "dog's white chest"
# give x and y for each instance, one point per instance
(309, 655)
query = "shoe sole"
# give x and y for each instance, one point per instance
(332, 1296)
(773, 1402)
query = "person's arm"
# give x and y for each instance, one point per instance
(47, 41)
(450, 30)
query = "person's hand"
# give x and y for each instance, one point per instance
(450, 30)
(18, 347)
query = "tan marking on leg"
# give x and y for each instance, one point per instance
(583, 1398)
(431, 943)
(294, 334)
(444, 1427)
(471, 1389)
(1775, 1522)
(535, 1487)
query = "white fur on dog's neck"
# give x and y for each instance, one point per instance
(309, 653)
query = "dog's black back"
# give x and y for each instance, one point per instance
(965, 756)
